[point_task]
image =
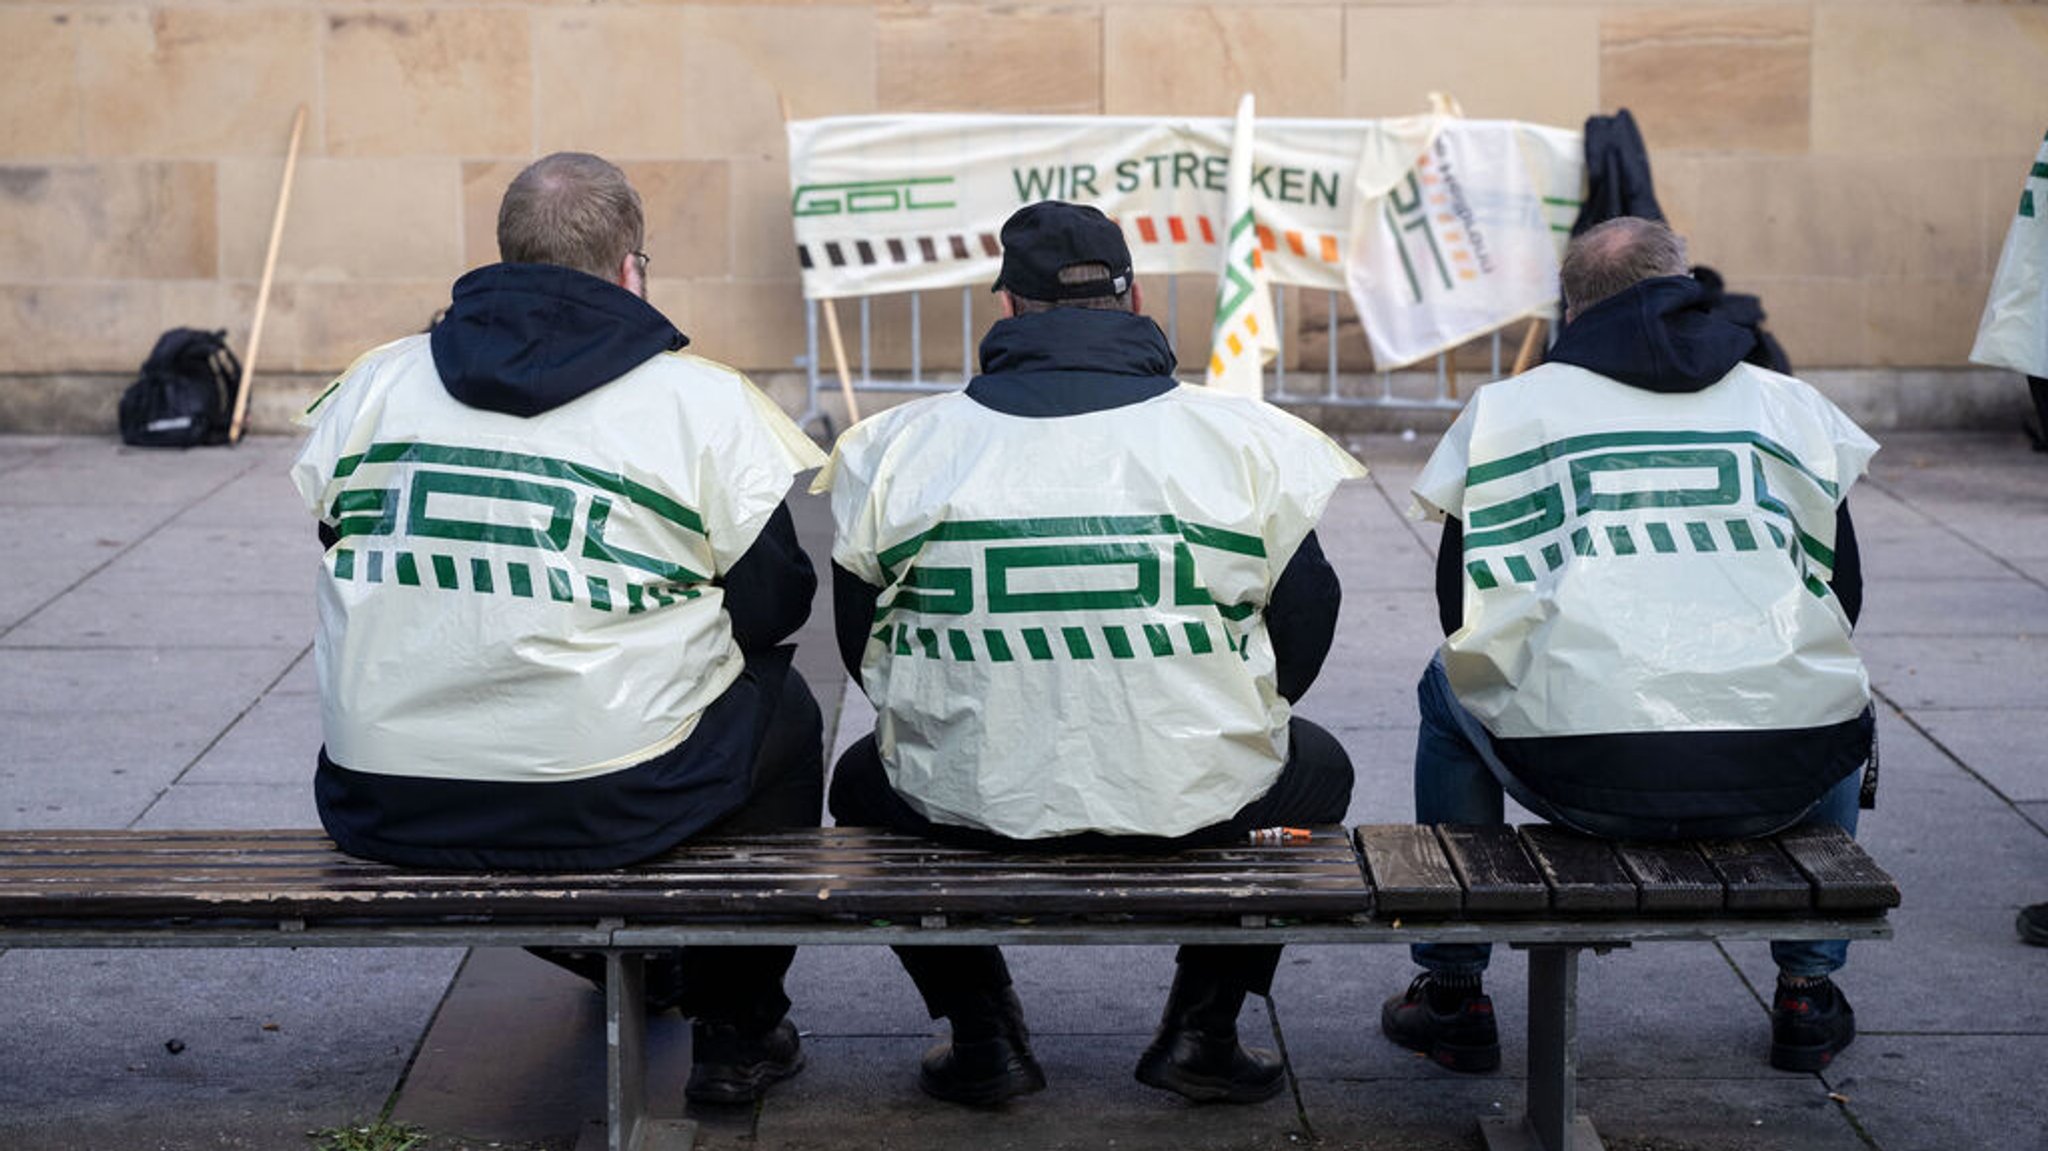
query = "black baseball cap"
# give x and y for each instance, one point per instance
(1041, 239)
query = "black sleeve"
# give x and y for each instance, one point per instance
(1301, 618)
(853, 616)
(1848, 580)
(1450, 576)
(768, 591)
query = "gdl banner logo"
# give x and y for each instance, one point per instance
(867, 197)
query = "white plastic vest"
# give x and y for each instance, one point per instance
(1637, 561)
(529, 599)
(1071, 635)
(2013, 332)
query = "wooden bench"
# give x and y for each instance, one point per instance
(1552, 893)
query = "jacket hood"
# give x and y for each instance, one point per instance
(1657, 335)
(1077, 340)
(1071, 361)
(523, 339)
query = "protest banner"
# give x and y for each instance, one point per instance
(915, 202)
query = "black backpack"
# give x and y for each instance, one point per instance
(186, 394)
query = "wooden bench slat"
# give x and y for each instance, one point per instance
(842, 874)
(1758, 876)
(1671, 877)
(1844, 876)
(1582, 872)
(1495, 868)
(784, 875)
(1409, 871)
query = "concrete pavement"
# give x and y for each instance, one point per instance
(155, 618)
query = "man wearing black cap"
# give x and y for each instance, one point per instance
(1083, 598)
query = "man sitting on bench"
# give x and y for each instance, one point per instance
(558, 571)
(1648, 579)
(1083, 598)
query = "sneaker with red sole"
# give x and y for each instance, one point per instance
(1810, 1024)
(1464, 1038)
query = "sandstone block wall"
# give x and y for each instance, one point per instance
(1855, 162)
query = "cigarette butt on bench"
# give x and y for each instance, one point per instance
(1280, 835)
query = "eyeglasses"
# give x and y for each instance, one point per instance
(640, 259)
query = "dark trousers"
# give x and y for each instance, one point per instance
(1313, 787)
(743, 985)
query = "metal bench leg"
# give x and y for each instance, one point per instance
(628, 1127)
(1553, 1122)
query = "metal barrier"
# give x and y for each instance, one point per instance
(821, 379)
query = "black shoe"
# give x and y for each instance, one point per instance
(2033, 924)
(1196, 1053)
(728, 1065)
(1463, 1038)
(1809, 1024)
(989, 1058)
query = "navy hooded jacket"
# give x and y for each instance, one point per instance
(525, 339)
(1660, 335)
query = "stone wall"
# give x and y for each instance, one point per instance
(1855, 163)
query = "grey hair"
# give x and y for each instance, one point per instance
(574, 210)
(1615, 255)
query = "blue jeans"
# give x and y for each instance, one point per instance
(1459, 778)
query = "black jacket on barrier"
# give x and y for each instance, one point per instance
(1662, 336)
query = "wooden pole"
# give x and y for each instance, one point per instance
(839, 361)
(1527, 355)
(284, 199)
(832, 324)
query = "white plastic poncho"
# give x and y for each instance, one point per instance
(1070, 635)
(529, 599)
(2013, 332)
(1637, 561)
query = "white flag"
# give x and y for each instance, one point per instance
(1465, 240)
(1244, 339)
(2014, 331)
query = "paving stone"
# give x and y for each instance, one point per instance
(544, 1029)
(2001, 744)
(1926, 808)
(186, 806)
(100, 472)
(49, 549)
(274, 742)
(1770, 1112)
(272, 620)
(274, 1043)
(185, 559)
(151, 686)
(261, 498)
(103, 798)
(1957, 671)
(1090, 1101)
(1953, 606)
(1976, 1098)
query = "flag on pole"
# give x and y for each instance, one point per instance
(2013, 332)
(1244, 339)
